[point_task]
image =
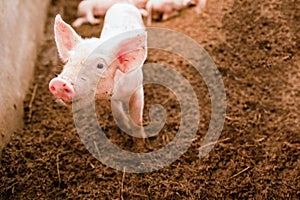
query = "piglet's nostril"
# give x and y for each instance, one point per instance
(67, 90)
(52, 88)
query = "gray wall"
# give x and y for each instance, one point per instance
(21, 30)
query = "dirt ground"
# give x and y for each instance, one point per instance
(256, 46)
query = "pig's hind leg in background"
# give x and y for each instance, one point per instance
(89, 17)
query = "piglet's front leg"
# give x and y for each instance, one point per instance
(132, 124)
(120, 115)
(136, 106)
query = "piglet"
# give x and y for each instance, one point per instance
(120, 62)
(168, 8)
(88, 9)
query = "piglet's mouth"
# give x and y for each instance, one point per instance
(62, 102)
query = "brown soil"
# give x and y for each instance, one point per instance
(256, 47)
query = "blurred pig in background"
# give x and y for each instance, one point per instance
(89, 9)
(166, 8)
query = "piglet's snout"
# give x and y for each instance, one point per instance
(62, 89)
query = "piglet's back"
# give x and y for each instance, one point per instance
(121, 17)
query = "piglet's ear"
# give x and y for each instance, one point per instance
(132, 52)
(65, 37)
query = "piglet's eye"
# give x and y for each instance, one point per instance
(99, 65)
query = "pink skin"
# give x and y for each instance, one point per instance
(62, 89)
(122, 79)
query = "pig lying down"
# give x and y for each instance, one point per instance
(121, 69)
(168, 8)
(88, 9)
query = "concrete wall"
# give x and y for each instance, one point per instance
(21, 30)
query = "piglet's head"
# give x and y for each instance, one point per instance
(120, 54)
